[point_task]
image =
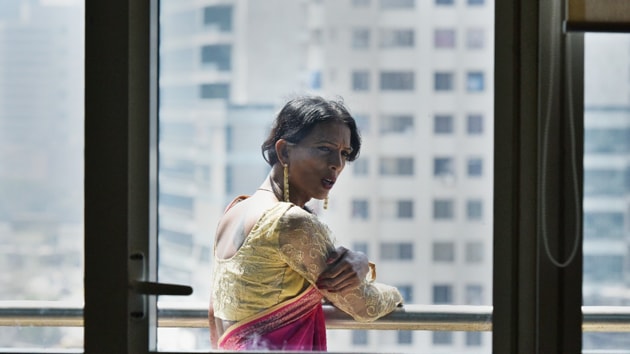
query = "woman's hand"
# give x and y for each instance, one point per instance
(346, 270)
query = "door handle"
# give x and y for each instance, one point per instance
(155, 288)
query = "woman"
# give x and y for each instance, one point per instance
(274, 260)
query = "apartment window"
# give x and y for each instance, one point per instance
(474, 124)
(442, 294)
(362, 247)
(442, 338)
(359, 337)
(405, 337)
(475, 81)
(474, 167)
(361, 38)
(474, 252)
(396, 166)
(474, 209)
(397, 4)
(443, 81)
(604, 268)
(475, 38)
(361, 167)
(605, 182)
(443, 124)
(396, 251)
(397, 81)
(396, 209)
(405, 209)
(215, 91)
(444, 38)
(397, 38)
(607, 140)
(443, 166)
(360, 209)
(396, 123)
(219, 16)
(604, 225)
(443, 252)
(407, 293)
(218, 55)
(473, 339)
(474, 294)
(361, 80)
(444, 2)
(443, 209)
(476, 2)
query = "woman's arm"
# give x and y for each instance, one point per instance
(346, 270)
(305, 245)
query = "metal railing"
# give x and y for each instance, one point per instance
(409, 317)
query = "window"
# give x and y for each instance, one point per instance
(604, 225)
(397, 38)
(444, 2)
(360, 337)
(396, 166)
(443, 124)
(474, 294)
(474, 209)
(475, 38)
(396, 251)
(444, 38)
(442, 294)
(474, 124)
(219, 17)
(442, 338)
(360, 38)
(407, 293)
(361, 167)
(360, 209)
(475, 81)
(219, 55)
(474, 167)
(360, 80)
(405, 337)
(443, 209)
(396, 123)
(474, 252)
(396, 209)
(443, 166)
(607, 140)
(475, 2)
(215, 91)
(473, 339)
(603, 268)
(397, 4)
(397, 81)
(361, 247)
(604, 182)
(443, 252)
(444, 81)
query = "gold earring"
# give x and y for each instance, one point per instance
(286, 182)
(326, 203)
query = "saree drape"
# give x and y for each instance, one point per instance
(297, 325)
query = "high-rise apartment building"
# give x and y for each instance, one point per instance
(418, 79)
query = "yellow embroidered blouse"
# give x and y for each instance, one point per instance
(284, 254)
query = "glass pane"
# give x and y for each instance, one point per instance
(225, 70)
(606, 180)
(41, 163)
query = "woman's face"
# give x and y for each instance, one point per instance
(317, 160)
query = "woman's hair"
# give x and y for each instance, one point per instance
(300, 115)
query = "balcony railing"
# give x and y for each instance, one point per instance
(409, 317)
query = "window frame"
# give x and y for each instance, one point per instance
(525, 286)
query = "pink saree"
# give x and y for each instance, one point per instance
(296, 325)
